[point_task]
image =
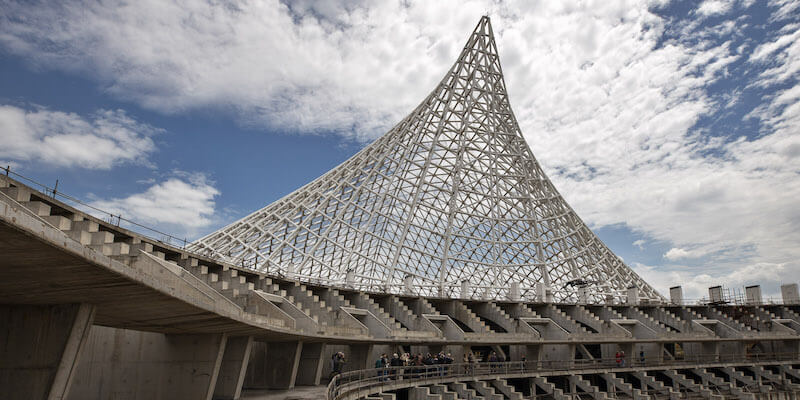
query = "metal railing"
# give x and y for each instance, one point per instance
(368, 381)
(111, 218)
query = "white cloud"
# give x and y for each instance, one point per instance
(182, 205)
(784, 8)
(105, 139)
(639, 243)
(676, 254)
(714, 7)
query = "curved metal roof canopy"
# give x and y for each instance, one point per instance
(451, 202)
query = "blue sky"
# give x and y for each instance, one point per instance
(673, 128)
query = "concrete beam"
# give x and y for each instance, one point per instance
(41, 346)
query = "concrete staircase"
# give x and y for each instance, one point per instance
(715, 313)
(722, 385)
(464, 391)
(362, 300)
(647, 320)
(648, 381)
(561, 318)
(617, 384)
(491, 311)
(400, 311)
(577, 382)
(502, 386)
(789, 314)
(485, 390)
(468, 317)
(682, 381)
(444, 392)
(550, 388)
(276, 290)
(668, 318)
(422, 393)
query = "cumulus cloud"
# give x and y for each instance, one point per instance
(611, 109)
(182, 205)
(100, 141)
(713, 7)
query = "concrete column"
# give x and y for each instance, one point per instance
(40, 347)
(350, 278)
(408, 284)
(282, 360)
(583, 295)
(312, 359)
(233, 368)
(790, 293)
(633, 296)
(676, 295)
(513, 292)
(256, 376)
(753, 294)
(359, 357)
(121, 363)
(465, 289)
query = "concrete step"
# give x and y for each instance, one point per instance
(59, 221)
(112, 249)
(37, 207)
(507, 390)
(18, 194)
(444, 392)
(485, 390)
(85, 225)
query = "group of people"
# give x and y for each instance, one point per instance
(407, 359)
(619, 357)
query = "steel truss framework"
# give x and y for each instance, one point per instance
(449, 200)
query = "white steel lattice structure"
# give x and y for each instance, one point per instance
(449, 200)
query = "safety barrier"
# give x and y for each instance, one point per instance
(367, 381)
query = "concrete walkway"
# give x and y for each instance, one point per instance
(298, 393)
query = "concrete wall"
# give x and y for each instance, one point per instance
(126, 364)
(40, 348)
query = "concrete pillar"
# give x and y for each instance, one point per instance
(676, 295)
(715, 294)
(359, 357)
(40, 347)
(256, 376)
(513, 291)
(543, 293)
(583, 295)
(312, 360)
(633, 296)
(753, 294)
(121, 363)
(233, 368)
(408, 284)
(790, 294)
(283, 360)
(465, 289)
(350, 278)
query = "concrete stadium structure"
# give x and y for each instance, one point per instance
(91, 310)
